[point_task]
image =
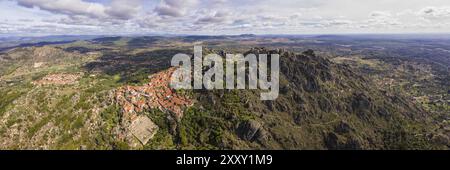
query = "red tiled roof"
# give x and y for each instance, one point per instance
(156, 94)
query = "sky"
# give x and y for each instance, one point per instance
(218, 17)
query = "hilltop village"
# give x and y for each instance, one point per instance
(156, 94)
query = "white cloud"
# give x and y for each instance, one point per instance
(213, 18)
(124, 9)
(227, 16)
(435, 13)
(382, 18)
(70, 7)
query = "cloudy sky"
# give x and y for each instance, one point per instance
(75, 17)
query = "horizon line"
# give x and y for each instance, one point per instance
(250, 34)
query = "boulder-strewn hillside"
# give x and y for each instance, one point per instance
(322, 105)
(93, 96)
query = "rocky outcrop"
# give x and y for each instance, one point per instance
(334, 141)
(321, 105)
(252, 130)
(343, 128)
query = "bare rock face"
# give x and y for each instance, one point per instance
(252, 130)
(335, 141)
(309, 52)
(38, 64)
(343, 128)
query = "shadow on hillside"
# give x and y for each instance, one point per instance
(133, 68)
